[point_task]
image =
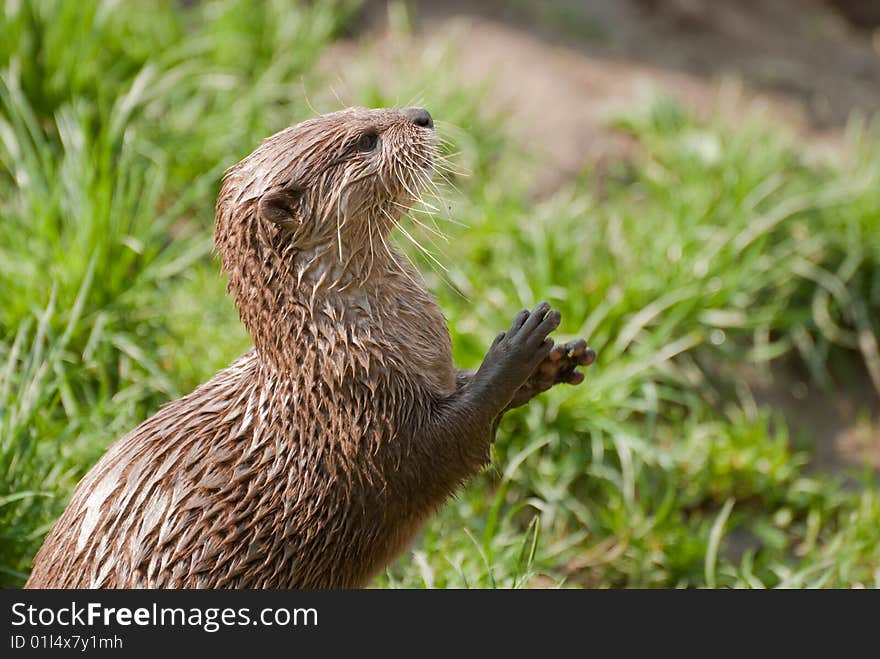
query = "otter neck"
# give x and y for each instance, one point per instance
(303, 302)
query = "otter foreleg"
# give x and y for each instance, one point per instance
(463, 427)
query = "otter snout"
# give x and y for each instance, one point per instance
(419, 116)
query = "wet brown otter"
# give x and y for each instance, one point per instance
(312, 460)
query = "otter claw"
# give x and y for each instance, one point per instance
(559, 366)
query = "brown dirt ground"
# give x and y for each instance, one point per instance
(558, 70)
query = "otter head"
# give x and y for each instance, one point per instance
(310, 208)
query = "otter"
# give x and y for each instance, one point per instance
(312, 460)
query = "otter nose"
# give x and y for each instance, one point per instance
(419, 116)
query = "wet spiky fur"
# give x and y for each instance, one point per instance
(304, 463)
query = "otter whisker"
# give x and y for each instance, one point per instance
(393, 257)
(433, 189)
(415, 242)
(422, 205)
(343, 188)
(447, 180)
(446, 169)
(369, 269)
(424, 182)
(302, 85)
(435, 230)
(414, 195)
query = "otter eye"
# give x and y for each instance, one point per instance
(367, 142)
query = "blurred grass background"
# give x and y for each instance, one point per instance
(717, 248)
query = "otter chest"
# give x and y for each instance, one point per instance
(403, 330)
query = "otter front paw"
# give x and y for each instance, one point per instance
(558, 366)
(516, 353)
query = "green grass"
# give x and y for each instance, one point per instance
(718, 247)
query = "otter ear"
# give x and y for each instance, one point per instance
(281, 207)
